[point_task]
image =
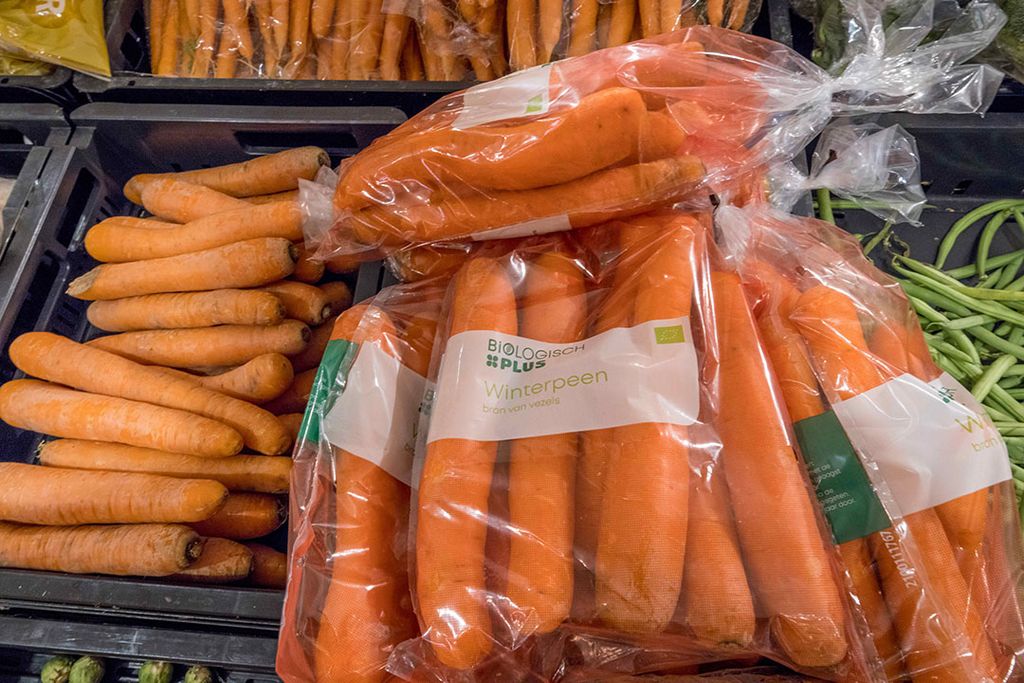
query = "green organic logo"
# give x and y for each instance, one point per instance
(946, 394)
(673, 334)
(535, 104)
(492, 360)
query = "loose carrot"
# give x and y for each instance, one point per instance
(338, 294)
(368, 579)
(208, 346)
(50, 409)
(314, 352)
(263, 175)
(302, 302)
(583, 33)
(47, 495)
(548, 151)
(298, 34)
(169, 37)
(828, 321)
(321, 18)
(269, 567)
(194, 309)
(642, 535)
(541, 469)
(803, 400)
(282, 196)
(454, 489)
(807, 624)
(114, 242)
(307, 269)
(222, 561)
(244, 516)
(650, 17)
(716, 600)
(206, 44)
(263, 378)
(293, 423)
(522, 44)
(241, 264)
(396, 26)
(60, 360)
(181, 201)
(120, 550)
(412, 63)
(280, 17)
(295, 397)
(590, 200)
(260, 474)
(621, 28)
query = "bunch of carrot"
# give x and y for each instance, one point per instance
(211, 302)
(407, 39)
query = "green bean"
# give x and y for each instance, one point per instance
(992, 308)
(878, 238)
(1003, 330)
(995, 413)
(994, 262)
(1010, 383)
(988, 233)
(950, 350)
(1009, 273)
(1016, 335)
(1007, 403)
(992, 374)
(1016, 393)
(958, 337)
(966, 222)
(916, 291)
(825, 206)
(965, 322)
(997, 342)
(1017, 441)
(990, 280)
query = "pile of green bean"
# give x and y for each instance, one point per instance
(973, 320)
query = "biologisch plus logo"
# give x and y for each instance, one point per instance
(520, 358)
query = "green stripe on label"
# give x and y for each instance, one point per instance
(844, 490)
(330, 376)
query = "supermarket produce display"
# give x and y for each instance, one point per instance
(598, 411)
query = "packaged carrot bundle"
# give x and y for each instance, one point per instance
(347, 602)
(621, 131)
(604, 481)
(911, 472)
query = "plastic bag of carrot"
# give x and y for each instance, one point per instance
(621, 131)
(348, 603)
(911, 471)
(603, 477)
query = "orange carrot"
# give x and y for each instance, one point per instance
(642, 536)
(807, 624)
(241, 264)
(396, 26)
(302, 302)
(282, 196)
(279, 16)
(293, 423)
(194, 309)
(261, 379)
(295, 397)
(437, 40)
(550, 29)
(58, 359)
(671, 15)
(206, 346)
(269, 567)
(490, 25)
(345, 263)
(541, 469)
(522, 43)
(340, 33)
(650, 17)
(206, 45)
(314, 352)
(621, 27)
(412, 63)
(321, 16)
(50, 409)
(155, 16)
(368, 580)
(180, 201)
(367, 47)
(263, 23)
(454, 489)
(121, 550)
(47, 495)
(259, 176)
(298, 35)
(226, 65)
(583, 36)
(260, 474)
(222, 561)
(169, 37)
(431, 59)
(339, 296)
(306, 268)
(549, 151)
(738, 14)
(829, 323)
(117, 243)
(244, 516)
(236, 25)
(324, 52)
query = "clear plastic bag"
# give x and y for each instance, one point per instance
(913, 475)
(348, 603)
(618, 132)
(67, 33)
(591, 498)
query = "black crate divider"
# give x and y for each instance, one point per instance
(55, 87)
(80, 185)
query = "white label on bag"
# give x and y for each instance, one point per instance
(526, 93)
(375, 417)
(931, 441)
(493, 387)
(538, 226)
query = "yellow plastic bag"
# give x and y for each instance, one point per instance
(13, 65)
(64, 32)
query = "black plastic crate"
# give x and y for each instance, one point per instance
(966, 161)
(80, 185)
(55, 87)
